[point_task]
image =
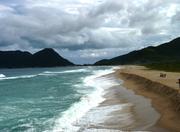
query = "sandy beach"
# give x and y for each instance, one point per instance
(163, 93)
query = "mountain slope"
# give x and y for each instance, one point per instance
(44, 58)
(49, 58)
(168, 52)
(10, 59)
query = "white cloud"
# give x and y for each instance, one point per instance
(84, 29)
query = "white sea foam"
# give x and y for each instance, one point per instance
(116, 67)
(68, 121)
(78, 70)
(2, 76)
(98, 115)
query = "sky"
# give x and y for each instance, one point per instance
(85, 31)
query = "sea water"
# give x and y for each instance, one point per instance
(49, 99)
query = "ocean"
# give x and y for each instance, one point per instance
(51, 99)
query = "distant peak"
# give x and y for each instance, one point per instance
(48, 49)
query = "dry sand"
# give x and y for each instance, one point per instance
(164, 92)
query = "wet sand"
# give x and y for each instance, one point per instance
(163, 92)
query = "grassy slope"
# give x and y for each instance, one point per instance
(170, 66)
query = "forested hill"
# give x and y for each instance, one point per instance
(165, 53)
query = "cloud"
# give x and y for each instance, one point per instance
(84, 29)
(107, 7)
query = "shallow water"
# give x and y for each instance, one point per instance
(65, 99)
(48, 99)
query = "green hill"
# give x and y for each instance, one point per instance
(164, 56)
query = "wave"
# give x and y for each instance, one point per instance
(46, 73)
(17, 77)
(67, 71)
(69, 119)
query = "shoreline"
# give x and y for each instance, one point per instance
(125, 111)
(165, 99)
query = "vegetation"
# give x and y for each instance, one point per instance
(171, 66)
(163, 57)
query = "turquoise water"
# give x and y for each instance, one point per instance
(47, 99)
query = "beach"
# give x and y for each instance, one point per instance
(162, 92)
